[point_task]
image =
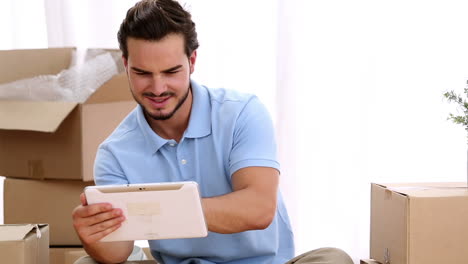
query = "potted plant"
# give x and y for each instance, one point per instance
(462, 103)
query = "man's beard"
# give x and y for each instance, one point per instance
(162, 116)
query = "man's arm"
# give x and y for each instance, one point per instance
(251, 205)
(93, 222)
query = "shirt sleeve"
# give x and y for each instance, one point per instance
(254, 139)
(107, 169)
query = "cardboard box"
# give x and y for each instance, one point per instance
(24, 244)
(421, 223)
(65, 255)
(74, 255)
(55, 140)
(48, 201)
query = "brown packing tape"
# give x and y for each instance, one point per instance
(36, 169)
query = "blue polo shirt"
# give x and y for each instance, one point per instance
(227, 131)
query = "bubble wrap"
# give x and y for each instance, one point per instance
(74, 84)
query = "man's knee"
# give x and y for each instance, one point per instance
(136, 255)
(337, 255)
(323, 255)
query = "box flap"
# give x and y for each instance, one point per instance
(33, 116)
(22, 64)
(431, 189)
(16, 232)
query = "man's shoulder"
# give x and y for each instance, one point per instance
(222, 97)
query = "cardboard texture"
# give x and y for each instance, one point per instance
(55, 140)
(65, 255)
(48, 201)
(74, 255)
(419, 223)
(24, 244)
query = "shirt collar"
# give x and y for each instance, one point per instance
(154, 141)
(200, 116)
(199, 123)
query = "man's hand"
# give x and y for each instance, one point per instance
(93, 222)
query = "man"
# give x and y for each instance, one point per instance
(180, 131)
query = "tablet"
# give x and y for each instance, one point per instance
(153, 210)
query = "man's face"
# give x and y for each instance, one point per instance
(159, 74)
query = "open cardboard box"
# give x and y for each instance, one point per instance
(55, 140)
(415, 223)
(24, 244)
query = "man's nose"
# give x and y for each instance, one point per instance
(159, 85)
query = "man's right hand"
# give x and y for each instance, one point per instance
(95, 221)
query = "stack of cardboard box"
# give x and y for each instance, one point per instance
(47, 149)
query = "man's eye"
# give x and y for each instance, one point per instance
(172, 72)
(141, 73)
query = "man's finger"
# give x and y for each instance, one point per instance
(99, 235)
(93, 209)
(83, 199)
(102, 217)
(101, 226)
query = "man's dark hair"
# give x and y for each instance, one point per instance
(155, 19)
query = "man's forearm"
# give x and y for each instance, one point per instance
(239, 211)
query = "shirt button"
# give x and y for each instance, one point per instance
(172, 144)
(183, 162)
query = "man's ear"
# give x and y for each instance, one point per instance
(125, 62)
(192, 60)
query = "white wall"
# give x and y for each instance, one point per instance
(369, 78)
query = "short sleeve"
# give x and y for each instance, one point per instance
(254, 139)
(107, 169)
